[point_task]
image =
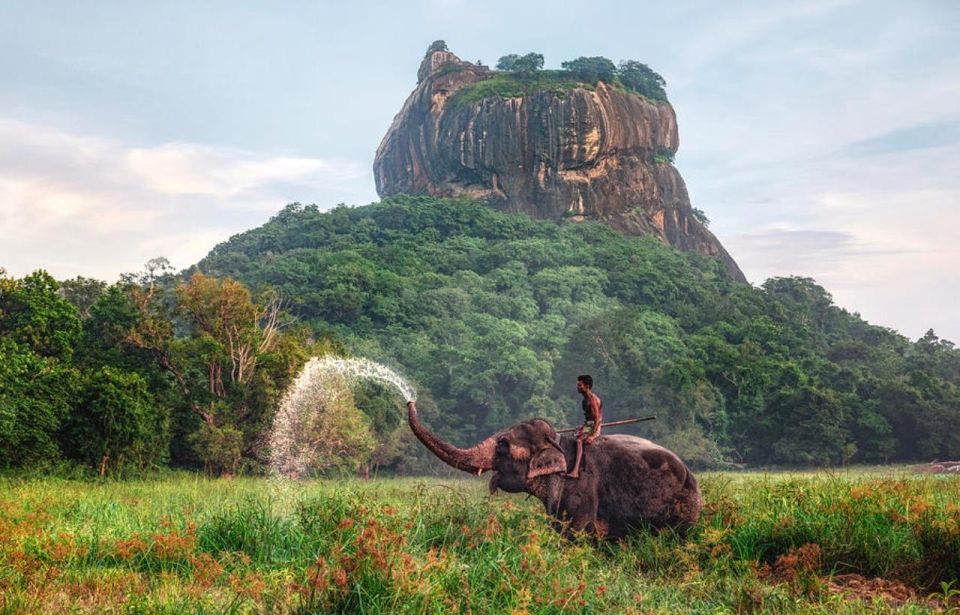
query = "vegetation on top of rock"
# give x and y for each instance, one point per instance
(524, 66)
(642, 79)
(504, 84)
(437, 45)
(592, 69)
(630, 76)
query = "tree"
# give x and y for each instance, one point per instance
(642, 79)
(36, 394)
(216, 362)
(220, 448)
(33, 314)
(506, 62)
(38, 332)
(802, 301)
(700, 216)
(228, 330)
(82, 293)
(524, 66)
(528, 65)
(437, 45)
(811, 427)
(242, 331)
(117, 420)
(592, 69)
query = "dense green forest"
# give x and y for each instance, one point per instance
(492, 315)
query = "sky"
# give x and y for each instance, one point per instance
(821, 138)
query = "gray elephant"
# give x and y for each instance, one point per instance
(625, 482)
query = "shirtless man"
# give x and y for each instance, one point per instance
(592, 413)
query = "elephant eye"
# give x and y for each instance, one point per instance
(503, 444)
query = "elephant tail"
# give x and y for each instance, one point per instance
(689, 503)
(691, 482)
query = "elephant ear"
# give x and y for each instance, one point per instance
(548, 460)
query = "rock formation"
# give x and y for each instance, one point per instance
(599, 153)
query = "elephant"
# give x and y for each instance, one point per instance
(626, 483)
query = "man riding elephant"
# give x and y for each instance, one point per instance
(592, 417)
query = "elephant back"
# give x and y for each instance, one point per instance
(645, 483)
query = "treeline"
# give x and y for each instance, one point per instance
(494, 315)
(633, 75)
(630, 74)
(152, 371)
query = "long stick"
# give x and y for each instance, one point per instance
(611, 424)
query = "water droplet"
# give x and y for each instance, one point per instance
(320, 381)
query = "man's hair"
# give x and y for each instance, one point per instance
(586, 379)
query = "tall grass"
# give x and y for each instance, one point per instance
(187, 544)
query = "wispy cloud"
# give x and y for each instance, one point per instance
(87, 205)
(185, 168)
(729, 29)
(879, 234)
(921, 136)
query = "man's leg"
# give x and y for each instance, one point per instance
(576, 464)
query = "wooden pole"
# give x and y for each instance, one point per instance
(611, 424)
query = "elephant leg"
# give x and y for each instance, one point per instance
(582, 510)
(576, 464)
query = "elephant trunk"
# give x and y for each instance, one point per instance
(476, 459)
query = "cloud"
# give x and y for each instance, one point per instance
(87, 205)
(185, 168)
(878, 233)
(920, 136)
(779, 249)
(729, 29)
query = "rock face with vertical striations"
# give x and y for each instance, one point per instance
(597, 152)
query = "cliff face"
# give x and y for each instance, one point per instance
(562, 155)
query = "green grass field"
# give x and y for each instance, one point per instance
(184, 544)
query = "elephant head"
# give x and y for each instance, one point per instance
(517, 455)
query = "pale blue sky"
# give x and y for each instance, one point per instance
(821, 138)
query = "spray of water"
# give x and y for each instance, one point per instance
(321, 384)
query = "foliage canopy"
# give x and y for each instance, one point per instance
(495, 314)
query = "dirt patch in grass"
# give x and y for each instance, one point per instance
(894, 593)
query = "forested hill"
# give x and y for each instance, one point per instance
(493, 315)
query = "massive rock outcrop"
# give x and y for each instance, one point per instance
(596, 153)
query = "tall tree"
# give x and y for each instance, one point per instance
(641, 78)
(33, 313)
(82, 293)
(38, 332)
(437, 45)
(228, 336)
(528, 65)
(117, 418)
(506, 62)
(36, 394)
(591, 69)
